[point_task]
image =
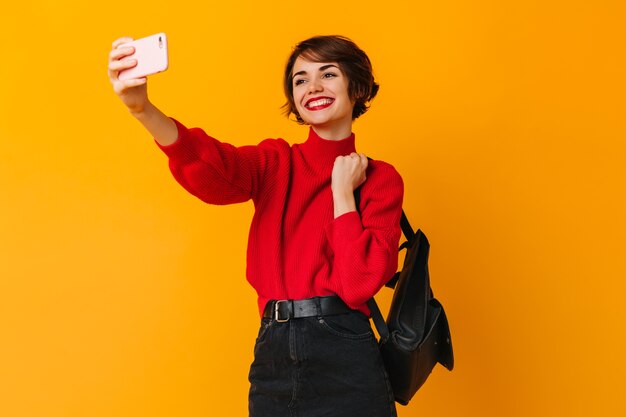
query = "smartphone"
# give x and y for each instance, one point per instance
(151, 56)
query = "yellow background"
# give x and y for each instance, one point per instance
(506, 120)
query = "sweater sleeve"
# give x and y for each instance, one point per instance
(366, 246)
(217, 172)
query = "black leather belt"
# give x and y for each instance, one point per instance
(283, 310)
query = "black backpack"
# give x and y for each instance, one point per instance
(416, 334)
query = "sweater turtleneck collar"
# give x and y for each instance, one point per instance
(326, 151)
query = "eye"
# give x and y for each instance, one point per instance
(298, 82)
(329, 75)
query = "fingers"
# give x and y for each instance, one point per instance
(121, 52)
(116, 66)
(360, 158)
(349, 171)
(132, 92)
(120, 41)
(356, 158)
(122, 64)
(359, 166)
(116, 61)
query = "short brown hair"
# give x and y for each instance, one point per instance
(353, 62)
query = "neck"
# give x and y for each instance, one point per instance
(333, 132)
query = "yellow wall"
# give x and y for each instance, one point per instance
(506, 120)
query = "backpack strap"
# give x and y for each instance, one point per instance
(406, 228)
(378, 319)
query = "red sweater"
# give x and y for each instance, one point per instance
(296, 249)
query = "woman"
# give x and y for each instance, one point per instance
(314, 258)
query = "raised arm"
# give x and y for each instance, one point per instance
(214, 171)
(134, 94)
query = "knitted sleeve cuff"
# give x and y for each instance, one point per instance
(180, 148)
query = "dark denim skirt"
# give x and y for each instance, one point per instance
(319, 366)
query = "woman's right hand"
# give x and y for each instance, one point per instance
(132, 92)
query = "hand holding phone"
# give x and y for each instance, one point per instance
(151, 55)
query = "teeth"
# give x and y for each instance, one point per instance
(320, 102)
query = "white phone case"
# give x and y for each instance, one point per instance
(151, 56)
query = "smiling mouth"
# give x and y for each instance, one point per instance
(318, 104)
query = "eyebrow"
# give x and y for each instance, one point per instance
(322, 68)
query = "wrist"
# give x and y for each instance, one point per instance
(343, 200)
(142, 112)
(341, 190)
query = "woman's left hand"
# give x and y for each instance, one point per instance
(348, 174)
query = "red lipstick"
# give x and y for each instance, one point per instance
(318, 103)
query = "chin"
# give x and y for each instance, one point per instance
(318, 122)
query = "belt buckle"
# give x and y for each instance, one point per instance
(277, 311)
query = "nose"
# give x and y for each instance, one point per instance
(315, 86)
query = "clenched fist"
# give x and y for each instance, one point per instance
(349, 172)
